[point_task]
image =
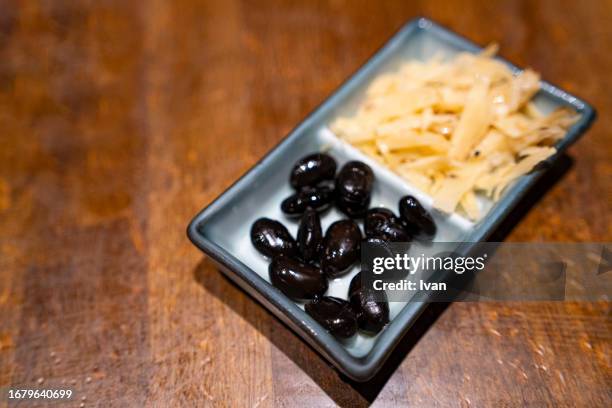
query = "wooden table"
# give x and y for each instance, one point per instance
(120, 120)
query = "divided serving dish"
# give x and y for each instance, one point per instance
(221, 230)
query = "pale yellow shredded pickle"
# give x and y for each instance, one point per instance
(456, 129)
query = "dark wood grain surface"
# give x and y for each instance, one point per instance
(120, 120)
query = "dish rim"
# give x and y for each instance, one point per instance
(364, 368)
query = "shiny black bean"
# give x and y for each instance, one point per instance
(376, 218)
(372, 309)
(296, 279)
(352, 209)
(317, 198)
(354, 181)
(417, 219)
(334, 314)
(272, 238)
(354, 188)
(382, 223)
(341, 247)
(310, 236)
(382, 248)
(312, 169)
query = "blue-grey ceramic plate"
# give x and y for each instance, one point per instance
(221, 230)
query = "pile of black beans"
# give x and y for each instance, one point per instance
(301, 267)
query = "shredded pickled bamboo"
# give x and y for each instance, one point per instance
(456, 129)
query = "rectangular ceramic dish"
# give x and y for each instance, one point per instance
(222, 229)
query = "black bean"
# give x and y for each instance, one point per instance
(296, 279)
(341, 247)
(372, 309)
(310, 236)
(381, 246)
(374, 247)
(312, 170)
(382, 223)
(334, 314)
(354, 188)
(272, 238)
(352, 209)
(417, 219)
(317, 198)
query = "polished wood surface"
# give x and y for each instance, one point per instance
(120, 120)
